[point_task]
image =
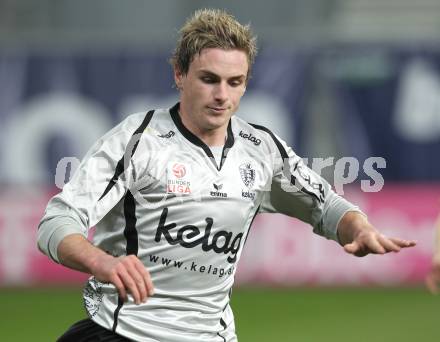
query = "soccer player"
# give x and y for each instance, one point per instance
(433, 277)
(173, 193)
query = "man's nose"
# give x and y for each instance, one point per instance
(221, 92)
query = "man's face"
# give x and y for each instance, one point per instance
(211, 90)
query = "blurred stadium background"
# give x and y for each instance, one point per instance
(335, 78)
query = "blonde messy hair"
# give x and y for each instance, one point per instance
(212, 28)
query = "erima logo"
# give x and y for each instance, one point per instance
(167, 136)
(217, 192)
(250, 137)
(190, 236)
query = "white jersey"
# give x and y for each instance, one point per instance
(153, 189)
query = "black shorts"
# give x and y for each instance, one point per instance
(88, 331)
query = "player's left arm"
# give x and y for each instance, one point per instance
(298, 191)
(359, 237)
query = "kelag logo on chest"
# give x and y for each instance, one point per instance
(179, 178)
(190, 236)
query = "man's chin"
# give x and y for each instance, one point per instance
(216, 123)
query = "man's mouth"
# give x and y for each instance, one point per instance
(217, 109)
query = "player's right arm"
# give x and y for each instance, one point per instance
(433, 277)
(126, 273)
(99, 183)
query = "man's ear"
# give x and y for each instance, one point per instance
(178, 78)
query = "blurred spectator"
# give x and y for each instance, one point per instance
(433, 278)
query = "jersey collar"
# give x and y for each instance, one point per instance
(174, 111)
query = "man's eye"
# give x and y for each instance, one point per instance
(235, 83)
(208, 79)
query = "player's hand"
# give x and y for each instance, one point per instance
(359, 237)
(433, 278)
(372, 242)
(127, 274)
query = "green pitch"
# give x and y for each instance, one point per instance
(282, 315)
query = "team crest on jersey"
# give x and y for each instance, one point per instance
(178, 178)
(248, 174)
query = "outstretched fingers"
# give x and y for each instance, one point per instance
(365, 245)
(351, 248)
(403, 243)
(388, 244)
(377, 244)
(374, 243)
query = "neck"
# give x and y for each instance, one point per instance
(211, 137)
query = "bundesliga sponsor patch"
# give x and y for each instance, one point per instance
(178, 178)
